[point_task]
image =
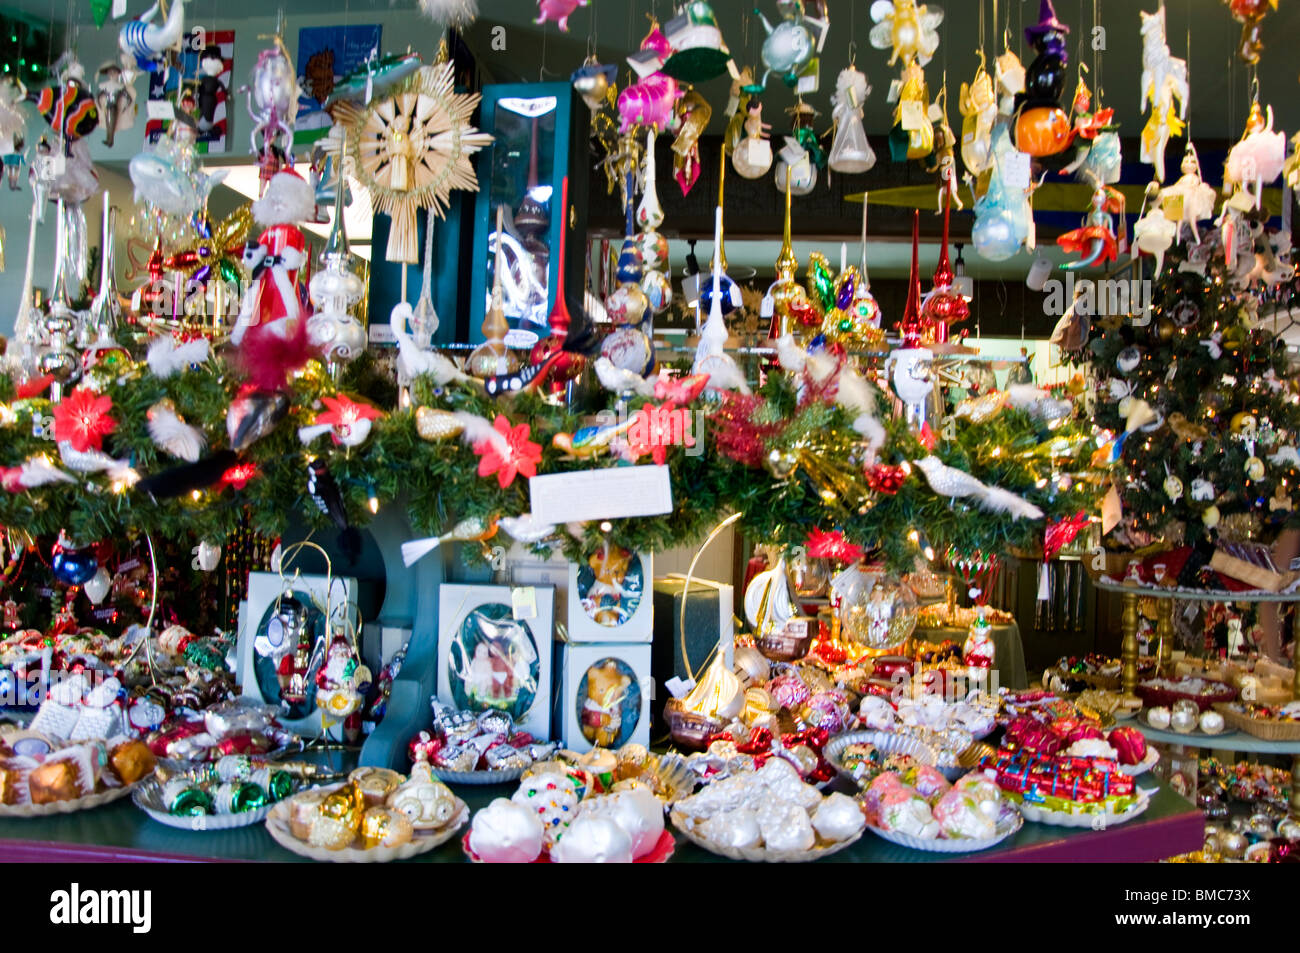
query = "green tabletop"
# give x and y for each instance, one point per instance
(1009, 657)
(120, 831)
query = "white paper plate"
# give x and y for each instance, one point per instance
(1143, 766)
(503, 776)
(1097, 821)
(1009, 821)
(886, 741)
(64, 807)
(761, 855)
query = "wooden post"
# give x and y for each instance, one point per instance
(1129, 646)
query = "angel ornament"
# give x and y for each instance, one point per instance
(1259, 156)
(911, 30)
(752, 157)
(850, 151)
(945, 160)
(978, 104)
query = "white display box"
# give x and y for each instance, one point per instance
(488, 659)
(328, 600)
(605, 694)
(611, 597)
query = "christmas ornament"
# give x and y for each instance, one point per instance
(790, 48)
(270, 332)
(171, 434)
(13, 127)
(505, 832)
(799, 158)
(909, 30)
(1249, 13)
(1257, 159)
(752, 155)
(324, 491)
(594, 81)
(978, 104)
(711, 360)
(557, 11)
(114, 99)
(348, 422)
(911, 362)
(942, 307)
(649, 102)
(492, 357)
(1095, 242)
(148, 42)
(455, 13)
(1002, 214)
(411, 149)
(1154, 234)
(342, 680)
(252, 415)
(1164, 80)
(698, 52)
(876, 609)
(978, 651)
(912, 135)
(97, 586)
(167, 357)
(335, 290)
(951, 482)
(206, 556)
(1042, 127)
(592, 839)
(68, 105)
(693, 113)
(272, 103)
(82, 420)
(72, 565)
(513, 455)
(1173, 488)
(167, 178)
(1189, 200)
(850, 153)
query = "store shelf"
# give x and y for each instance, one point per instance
(121, 832)
(1225, 741)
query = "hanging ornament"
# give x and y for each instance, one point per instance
(594, 81)
(206, 556)
(908, 29)
(790, 48)
(1210, 517)
(168, 179)
(1257, 159)
(951, 482)
(271, 333)
(698, 52)
(1095, 242)
(1164, 80)
(492, 357)
(411, 149)
(68, 105)
(1042, 127)
(649, 102)
(720, 369)
(335, 290)
(115, 100)
(801, 155)
(1254, 468)
(945, 158)
(693, 114)
(912, 136)
(97, 586)
(171, 434)
(273, 104)
(876, 608)
(791, 310)
(942, 307)
(752, 156)
(1250, 13)
(342, 680)
(850, 153)
(1003, 214)
(978, 104)
(348, 422)
(453, 13)
(631, 345)
(150, 42)
(1189, 200)
(911, 362)
(1173, 488)
(557, 11)
(13, 128)
(561, 365)
(72, 565)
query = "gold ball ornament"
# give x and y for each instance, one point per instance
(1255, 469)
(1243, 423)
(1165, 329)
(781, 463)
(376, 784)
(1234, 338)
(385, 827)
(1173, 487)
(1210, 518)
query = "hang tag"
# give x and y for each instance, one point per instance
(911, 116)
(1044, 583)
(128, 566)
(934, 114)
(1112, 511)
(895, 90)
(767, 307)
(1173, 207)
(277, 558)
(679, 687)
(1015, 170)
(160, 109)
(523, 603)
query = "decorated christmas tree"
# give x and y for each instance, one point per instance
(1202, 415)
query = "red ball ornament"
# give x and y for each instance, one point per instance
(885, 478)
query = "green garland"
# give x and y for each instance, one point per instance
(440, 486)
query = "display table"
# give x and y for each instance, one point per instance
(121, 832)
(1010, 652)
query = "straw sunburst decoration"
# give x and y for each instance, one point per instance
(411, 149)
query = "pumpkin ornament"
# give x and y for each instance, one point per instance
(1042, 126)
(412, 148)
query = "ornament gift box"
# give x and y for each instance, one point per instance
(495, 651)
(604, 695)
(608, 598)
(709, 625)
(278, 609)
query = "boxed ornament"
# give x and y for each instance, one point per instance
(708, 624)
(285, 633)
(605, 694)
(608, 599)
(494, 651)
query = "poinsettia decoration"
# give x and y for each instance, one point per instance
(833, 545)
(348, 419)
(239, 475)
(82, 420)
(509, 456)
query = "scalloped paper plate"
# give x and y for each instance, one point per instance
(1009, 821)
(479, 777)
(65, 807)
(148, 798)
(760, 855)
(1041, 815)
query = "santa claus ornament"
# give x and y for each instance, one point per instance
(271, 332)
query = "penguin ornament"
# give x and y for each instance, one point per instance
(210, 89)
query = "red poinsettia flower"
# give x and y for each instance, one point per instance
(517, 455)
(82, 420)
(653, 430)
(832, 544)
(349, 418)
(239, 475)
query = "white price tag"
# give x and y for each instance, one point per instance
(119, 9)
(382, 334)
(679, 687)
(895, 90)
(523, 602)
(1015, 170)
(160, 109)
(912, 116)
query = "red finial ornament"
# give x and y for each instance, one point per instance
(910, 326)
(943, 307)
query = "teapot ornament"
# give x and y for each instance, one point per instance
(791, 47)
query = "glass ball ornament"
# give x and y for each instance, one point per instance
(878, 610)
(781, 463)
(73, 565)
(658, 289)
(803, 176)
(654, 250)
(808, 578)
